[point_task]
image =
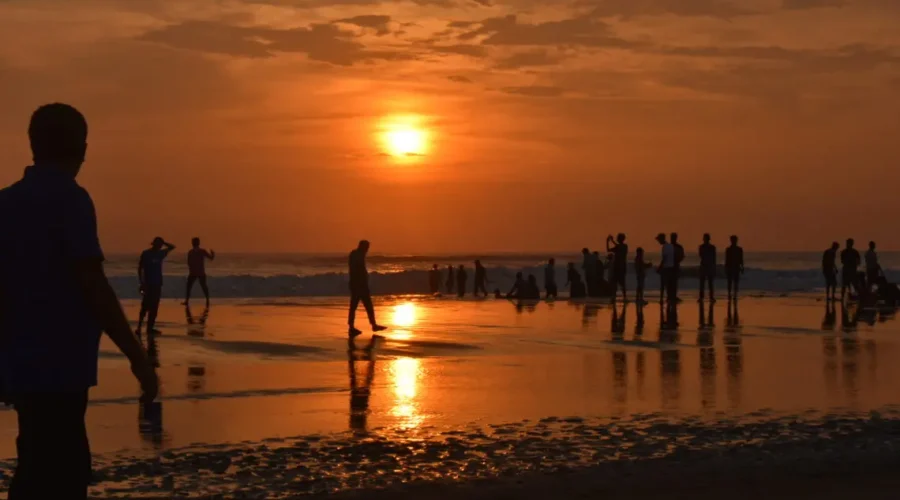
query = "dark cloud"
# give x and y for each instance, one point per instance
(315, 4)
(459, 49)
(320, 42)
(534, 91)
(688, 8)
(527, 59)
(381, 24)
(579, 31)
(810, 4)
(848, 58)
(459, 79)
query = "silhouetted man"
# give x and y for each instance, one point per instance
(451, 279)
(55, 301)
(532, 292)
(620, 263)
(829, 270)
(707, 253)
(518, 289)
(480, 279)
(590, 271)
(873, 269)
(197, 269)
(461, 278)
(359, 289)
(150, 275)
(850, 261)
(666, 269)
(550, 279)
(734, 267)
(679, 258)
(573, 281)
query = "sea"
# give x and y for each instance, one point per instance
(260, 275)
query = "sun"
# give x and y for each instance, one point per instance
(404, 136)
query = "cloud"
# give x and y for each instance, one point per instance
(381, 24)
(527, 59)
(687, 8)
(459, 79)
(463, 49)
(534, 91)
(578, 31)
(857, 57)
(320, 42)
(810, 4)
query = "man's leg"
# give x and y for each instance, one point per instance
(205, 288)
(354, 303)
(153, 309)
(702, 285)
(54, 455)
(712, 291)
(187, 292)
(370, 308)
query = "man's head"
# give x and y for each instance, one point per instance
(850, 242)
(661, 238)
(835, 245)
(58, 135)
(363, 246)
(871, 245)
(477, 262)
(157, 243)
(673, 238)
(195, 242)
(435, 266)
(640, 250)
(734, 239)
(620, 238)
(552, 261)
(585, 251)
(518, 275)
(706, 238)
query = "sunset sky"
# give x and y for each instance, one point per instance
(467, 125)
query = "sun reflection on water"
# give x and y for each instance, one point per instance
(404, 375)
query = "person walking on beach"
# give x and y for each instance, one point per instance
(197, 269)
(679, 258)
(359, 290)
(734, 267)
(829, 270)
(640, 269)
(461, 278)
(873, 269)
(666, 270)
(590, 271)
(150, 275)
(451, 279)
(550, 279)
(850, 261)
(480, 279)
(707, 253)
(434, 280)
(620, 263)
(56, 301)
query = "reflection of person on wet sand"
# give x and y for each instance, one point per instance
(360, 392)
(830, 319)
(359, 289)
(197, 269)
(150, 422)
(196, 326)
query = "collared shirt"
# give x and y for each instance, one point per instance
(49, 341)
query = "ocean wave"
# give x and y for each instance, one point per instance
(416, 282)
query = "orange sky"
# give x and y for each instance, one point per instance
(254, 123)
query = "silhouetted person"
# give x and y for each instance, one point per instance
(55, 301)
(573, 281)
(497, 293)
(640, 269)
(461, 278)
(150, 275)
(666, 269)
(434, 280)
(550, 279)
(850, 261)
(679, 258)
(620, 263)
(734, 267)
(531, 292)
(480, 279)
(590, 270)
(197, 269)
(707, 253)
(873, 269)
(451, 278)
(829, 271)
(518, 289)
(359, 289)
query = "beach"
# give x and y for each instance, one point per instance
(265, 397)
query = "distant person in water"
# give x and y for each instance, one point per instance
(679, 258)
(666, 269)
(197, 269)
(873, 269)
(707, 253)
(434, 280)
(589, 266)
(829, 271)
(461, 278)
(532, 292)
(573, 281)
(359, 290)
(480, 279)
(550, 279)
(451, 279)
(640, 269)
(518, 288)
(150, 276)
(850, 261)
(620, 263)
(734, 267)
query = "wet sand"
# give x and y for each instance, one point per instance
(265, 399)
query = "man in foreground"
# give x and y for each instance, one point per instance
(359, 289)
(55, 301)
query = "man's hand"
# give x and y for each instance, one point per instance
(146, 375)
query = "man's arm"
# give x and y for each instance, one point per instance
(169, 247)
(104, 307)
(211, 255)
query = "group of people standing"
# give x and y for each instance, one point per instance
(851, 277)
